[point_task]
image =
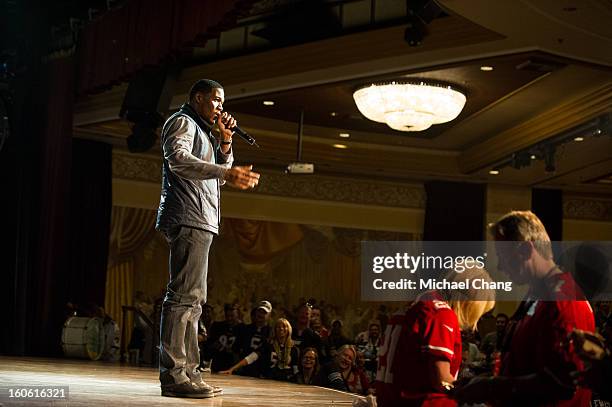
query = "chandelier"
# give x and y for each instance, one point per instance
(409, 105)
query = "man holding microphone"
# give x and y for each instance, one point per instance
(195, 163)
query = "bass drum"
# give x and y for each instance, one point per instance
(83, 338)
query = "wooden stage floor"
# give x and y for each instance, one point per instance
(108, 384)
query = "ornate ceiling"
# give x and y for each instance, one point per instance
(552, 72)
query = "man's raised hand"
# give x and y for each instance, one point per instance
(242, 177)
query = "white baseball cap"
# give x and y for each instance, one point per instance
(265, 305)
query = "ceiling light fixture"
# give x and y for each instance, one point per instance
(486, 68)
(494, 172)
(409, 105)
(344, 135)
(268, 103)
(340, 145)
(546, 149)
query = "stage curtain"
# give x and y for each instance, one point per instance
(48, 126)
(131, 229)
(119, 292)
(90, 212)
(147, 32)
(259, 241)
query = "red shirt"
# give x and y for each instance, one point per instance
(429, 328)
(538, 338)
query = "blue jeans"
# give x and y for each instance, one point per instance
(179, 354)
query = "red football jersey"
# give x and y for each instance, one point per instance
(429, 328)
(538, 338)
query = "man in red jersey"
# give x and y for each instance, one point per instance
(536, 365)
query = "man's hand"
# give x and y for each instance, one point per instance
(242, 177)
(225, 123)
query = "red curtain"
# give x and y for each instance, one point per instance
(73, 219)
(47, 288)
(147, 32)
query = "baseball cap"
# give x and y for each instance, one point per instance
(265, 305)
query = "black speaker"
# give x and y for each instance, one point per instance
(150, 90)
(145, 104)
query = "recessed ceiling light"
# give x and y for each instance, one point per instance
(340, 145)
(494, 172)
(268, 103)
(578, 138)
(486, 68)
(344, 135)
(533, 156)
(333, 114)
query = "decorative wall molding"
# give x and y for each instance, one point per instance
(320, 187)
(599, 209)
(137, 167)
(317, 187)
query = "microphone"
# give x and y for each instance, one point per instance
(244, 135)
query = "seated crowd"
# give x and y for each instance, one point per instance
(302, 351)
(446, 348)
(299, 347)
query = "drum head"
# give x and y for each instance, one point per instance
(83, 337)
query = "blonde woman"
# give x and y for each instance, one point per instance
(343, 374)
(427, 343)
(278, 358)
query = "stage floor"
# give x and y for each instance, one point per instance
(107, 384)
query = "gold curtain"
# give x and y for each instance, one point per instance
(260, 241)
(119, 291)
(131, 228)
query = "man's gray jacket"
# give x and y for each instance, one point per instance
(193, 169)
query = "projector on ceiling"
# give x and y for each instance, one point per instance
(300, 168)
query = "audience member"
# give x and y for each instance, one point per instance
(343, 374)
(535, 365)
(367, 343)
(492, 342)
(252, 336)
(316, 322)
(303, 336)
(334, 341)
(309, 368)
(278, 359)
(221, 348)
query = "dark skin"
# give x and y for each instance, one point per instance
(210, 107)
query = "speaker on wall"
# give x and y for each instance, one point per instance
(145, 104)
